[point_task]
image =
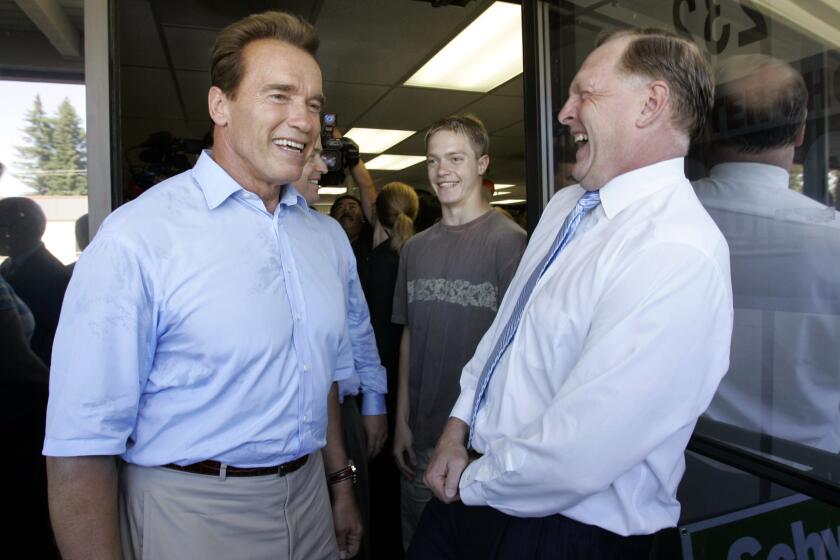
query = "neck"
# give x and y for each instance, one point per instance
(235, 167)
(456, 215)
(660, 145)
(780, 157)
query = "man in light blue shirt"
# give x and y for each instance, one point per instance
(203, 331)
(365, 434)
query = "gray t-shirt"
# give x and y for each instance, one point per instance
(450, 284)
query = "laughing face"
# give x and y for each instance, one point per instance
(307, 185)
(600, 114)
(455, 169)
(267, 129)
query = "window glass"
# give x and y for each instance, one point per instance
(766, 169)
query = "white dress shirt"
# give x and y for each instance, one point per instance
(620, 349)
(784, 379)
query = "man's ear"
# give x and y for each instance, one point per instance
(217, 104)
(800, 138)
(483, 163)
(657, 95)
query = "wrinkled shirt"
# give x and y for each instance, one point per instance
(197, 326)
(620, 349)
(368, 375)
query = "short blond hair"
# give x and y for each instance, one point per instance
(469, 126)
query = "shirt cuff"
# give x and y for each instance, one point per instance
(471, 490)
(463, 407)
(81, 447)
(347, 388)
(373, 404)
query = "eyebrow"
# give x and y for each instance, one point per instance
(288, 88)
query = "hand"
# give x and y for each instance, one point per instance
(347, 519)
(448, 462)
(351, 152)
(376, 429)
(403, 449)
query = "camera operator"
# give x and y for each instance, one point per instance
(355, 215)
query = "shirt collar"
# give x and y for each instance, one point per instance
(289, 196)
(213, 181)
(770, 176)
(624, 190)
(218, 186)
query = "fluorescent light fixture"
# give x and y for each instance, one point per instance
(390, 162)
(332, 190)
(481, 57)
(377, 140)
(509, 201)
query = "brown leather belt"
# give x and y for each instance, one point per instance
(214, 468)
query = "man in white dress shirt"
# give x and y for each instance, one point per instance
(579, 432)
(784, 379)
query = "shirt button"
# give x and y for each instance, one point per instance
(297, 316)
(306, 367)
(305, 418)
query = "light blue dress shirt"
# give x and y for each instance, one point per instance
(196, 326)
(368, 373)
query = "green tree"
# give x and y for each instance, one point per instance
(67, 168)
(35, 155)
(54, 157)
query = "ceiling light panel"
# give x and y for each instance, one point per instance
(332, 190)
(509, 201)
(389, 162)
(377, 140)
(481, 57)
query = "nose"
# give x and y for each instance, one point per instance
(320, 165)
(567, 113)
(301, 117)
(442, 168)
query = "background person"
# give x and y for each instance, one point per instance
(451, 279)
(785, 252)
(396, 209)
(35, 274)
(364, 434)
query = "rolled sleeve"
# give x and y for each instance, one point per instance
(103, 352)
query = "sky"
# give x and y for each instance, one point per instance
(15, 100)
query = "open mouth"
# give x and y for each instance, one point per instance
(581, 139)
(290, 145)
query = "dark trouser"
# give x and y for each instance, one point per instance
(456, 531)
(355, 443)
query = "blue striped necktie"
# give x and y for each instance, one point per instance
(587, 202)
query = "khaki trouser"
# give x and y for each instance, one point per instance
(170, 514)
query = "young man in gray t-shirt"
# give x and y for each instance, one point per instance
(451, 280)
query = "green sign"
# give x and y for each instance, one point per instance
(793, 528)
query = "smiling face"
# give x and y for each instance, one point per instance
(265, 131)
(601, 111)
(455, 169)
(307, 185)
(348, 213)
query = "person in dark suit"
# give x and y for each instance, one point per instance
(35, 274)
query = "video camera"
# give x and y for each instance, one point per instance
(338, 153)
